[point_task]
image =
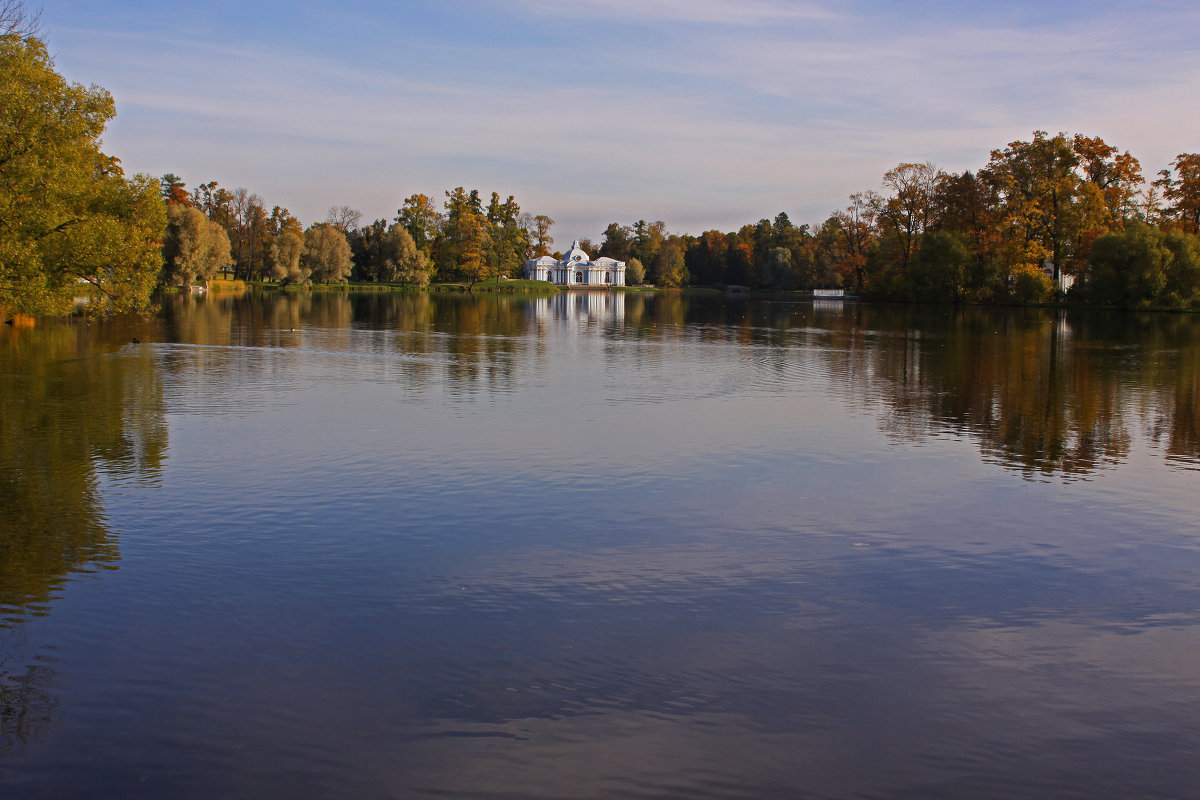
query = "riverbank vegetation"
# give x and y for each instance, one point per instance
(1057, 217)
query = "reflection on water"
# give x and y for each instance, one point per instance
(75, 403)
(599, 545)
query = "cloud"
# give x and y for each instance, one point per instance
(734, 117)
(714, 12)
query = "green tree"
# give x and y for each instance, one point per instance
(669, 267)
(67, 212)
(939, 269)
(1182, 289)
(507, 240)
(366, 244)
(648, 240)
(777, 269)
(707, 259)
(969, 207)
(618, 242)
(1128, 268)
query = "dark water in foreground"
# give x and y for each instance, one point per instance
(401, 546)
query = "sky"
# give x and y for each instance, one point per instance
(702, 113)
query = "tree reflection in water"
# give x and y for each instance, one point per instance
(1043, 392)
(78, 402)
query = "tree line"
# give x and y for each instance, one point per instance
(1039, 215)
(1064, 215)
(212, 229)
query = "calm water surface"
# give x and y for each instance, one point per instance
(594, 546)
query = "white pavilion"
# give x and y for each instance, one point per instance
(576, 269)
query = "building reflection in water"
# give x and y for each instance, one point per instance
(577, 310)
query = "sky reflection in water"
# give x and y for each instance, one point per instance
(597, 546)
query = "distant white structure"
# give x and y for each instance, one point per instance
(1065, 281)
(576, 269)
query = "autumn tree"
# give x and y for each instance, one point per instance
(173, 191)
(739, 262)
(281, 220)
(204, 198)
(906, 212)
(1180, 187)
(1039, 187)
(855, 225)
(422, 221)
(462, 249)
(246, 222)
(1115, 175)
(542, 240)
(67, 212)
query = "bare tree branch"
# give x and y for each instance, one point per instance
(15, 19)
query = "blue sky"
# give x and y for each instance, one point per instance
(702, 113)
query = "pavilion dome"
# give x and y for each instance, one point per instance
(576, 255)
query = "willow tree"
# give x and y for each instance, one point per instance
(401, 260)
(326, 256)
(284, 260)
(194, 247)
(68, 215)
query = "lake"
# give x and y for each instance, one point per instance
(599, 545)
